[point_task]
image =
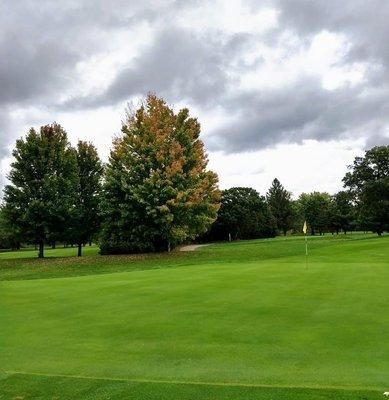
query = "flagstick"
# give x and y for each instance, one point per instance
(306, 252)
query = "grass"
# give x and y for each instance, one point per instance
(245, 320)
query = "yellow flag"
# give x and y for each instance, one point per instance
(305, 227)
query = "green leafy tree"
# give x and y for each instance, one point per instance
(243, 214)
(157, 191)
(280, 205)
(85, 214)
(43, 175)
(297, 216)
(10, 235)
(368, 181)
(315, 209)
(342, 212)
(374, 206)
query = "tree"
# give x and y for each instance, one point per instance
(342, 212)
(368, 181)
(280, 205)
(315, 209)
(374, 206)
(43, 175)
(85, 217)
(298, 216)
(157, 191)
(10, 235)
(243, 214)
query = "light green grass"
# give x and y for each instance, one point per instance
(245, 320)
(49, 252)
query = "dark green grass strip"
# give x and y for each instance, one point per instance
(22, 386)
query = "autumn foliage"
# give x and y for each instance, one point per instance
(158, 192)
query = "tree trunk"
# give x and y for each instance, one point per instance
(168, 247)
(284, 232)
(79, 250)
(41, 249)
(53, 245)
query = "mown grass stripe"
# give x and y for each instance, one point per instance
(203, 383)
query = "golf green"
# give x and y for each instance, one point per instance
(230, 321)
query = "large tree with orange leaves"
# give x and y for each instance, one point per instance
(158, 192)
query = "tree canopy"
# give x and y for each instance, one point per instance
(315, 209)
(42, 183)
(243, 214)
(85, 215)
(368, 181)
(157, 192)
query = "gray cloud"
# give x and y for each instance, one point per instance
(41, 44)
(5, 124)
(301, 111)
(178, 64)
(203, 70)
(365, 23)
(305, 110)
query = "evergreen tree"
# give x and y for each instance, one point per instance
(43, 175)
(157, 191)
(280, 204)
(85, 217)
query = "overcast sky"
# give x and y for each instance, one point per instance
(293, 89)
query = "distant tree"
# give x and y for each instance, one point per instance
(280, 205)
(85, 214)
(43, 175)
(157, 191)
(315, 208)
(368, 181)
(298, 216)
(243, 214)
(10, 235)
(374, 206)
(342, 212)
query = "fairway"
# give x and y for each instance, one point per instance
(243, 320)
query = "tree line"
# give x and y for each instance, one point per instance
(363, 205)
(156, 192)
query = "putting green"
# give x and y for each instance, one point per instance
(241, 320)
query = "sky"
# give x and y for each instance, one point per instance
(292, 89)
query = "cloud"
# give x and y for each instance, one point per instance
(5, 123)
(263, 73)
(323, 76)
(178, 64)
(301, 111)
(364, 22)
(43, 42)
